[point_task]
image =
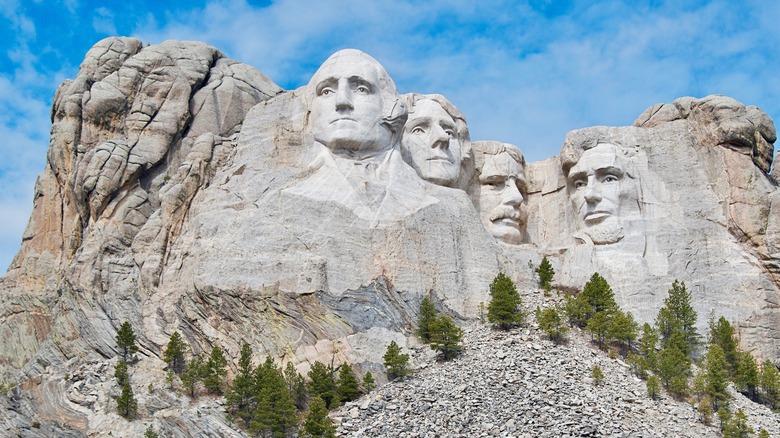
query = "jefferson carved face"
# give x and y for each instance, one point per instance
(502, 184)
(347, 107)
(430, 143)
(596, 186)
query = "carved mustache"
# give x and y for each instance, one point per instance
(506, 212)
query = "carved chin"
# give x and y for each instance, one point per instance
(506, 231)
(605, 233)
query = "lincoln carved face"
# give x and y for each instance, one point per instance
(502, 186)
(430, 143)
(348, 107)
(597, 188)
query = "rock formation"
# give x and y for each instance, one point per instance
(186, 192)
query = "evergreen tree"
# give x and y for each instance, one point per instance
(505, 309)
(551, 323)
(425, 322)
(763, 433)
(598, 326)
(678, 314)
(674, 369)
(396, 363)
(174, 353)
(746, 379)
(126, 405)
(125, 340)
(653, 387)
(647, 345)
(446, 337)
(598, 293)
(215, 371)
(295, 385)
(368, 382)
(322, 384)
(597, 374)
(705, 410)
(623, 329)
(578, 311)
(737, 427)
(546, 273)
(770, 384)
(723, 334)
(275, 414)
(120, 373)
(240, 399)
(716, 376)
(348, 387)
(192, 375)
(150, 433)
(317, 423)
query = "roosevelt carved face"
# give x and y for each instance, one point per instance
(597, 189)
(502, 184)
(430, 143)
(347, 107)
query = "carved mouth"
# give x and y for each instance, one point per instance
(597, 216)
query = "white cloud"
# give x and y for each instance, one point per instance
(103, 22)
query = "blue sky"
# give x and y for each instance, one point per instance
(523, 72)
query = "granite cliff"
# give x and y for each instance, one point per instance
(187, 192)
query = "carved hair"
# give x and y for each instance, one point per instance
(576, 145)
(482, 148)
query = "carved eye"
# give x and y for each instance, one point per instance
(362, 89)
(579, 184)
(418, 130)
(450, 133)
(327, 90)
(610, 179)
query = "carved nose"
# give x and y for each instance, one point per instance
(512, 195)
(592, 195)
(440, 139)
(343, 98)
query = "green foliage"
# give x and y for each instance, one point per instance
(677, 314)
(578, 311)
(674, 369)
(716, 376)
(736, 426)
(505, 309)
(317, 423)
(723, 334)
(653, 387)
(551, 322)
(120, 373)
(368, 382)
(770, 384)
(763, 433)
(295, 385)
(322, 384)
(446, 337)
(275, 414)
(746, 378)
(347, 385)
(240, 399)
(623, 329)
(174, 353)
(598, 326)
(647, 345)
(597, 374)
(426, 320)
(396, 363)
(126, 405)
(192, 375)
(215, 371)
(546, 273)
(125, 340)
(150, 433)
(598, 293)
(705, 410)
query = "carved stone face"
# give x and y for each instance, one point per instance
(347, 108)
(596, 190)
(430, 143)
(502, 184)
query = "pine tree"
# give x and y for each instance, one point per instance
(215, 371)
(505, 307)
(241, 399)
(597, 374)
(120, 373)
(653, 387)
(150, 433)
(317, 423)
(368, 382)
(723, 334)
(623, 329)
(427, 317)
(347, 385)
(126, 405)
(598, 326)
(546, 273)
(705, 410)
(647, 346)
(396, 363)
(192, 375)
(578, 311)
(770, 384)
(677, 313)
(446, 337)
(125, 340)
(598, 293)
(174, 353)
(716, 376)
(674, 369)
(322, 384)
(275, 413)
(736, 426)
(296, 385)
(763, 433)
(551, 323)
(746, 378)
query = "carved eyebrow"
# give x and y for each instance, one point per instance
(577, 175)
(493, 178)
(327, 82)
(610, 170)
(359, 80)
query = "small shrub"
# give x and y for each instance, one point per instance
(597, 374)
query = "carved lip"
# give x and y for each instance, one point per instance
(595, 216)
(340, 119)
(507, 221)
(444, 159)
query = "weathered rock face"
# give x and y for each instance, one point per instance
(186, 192)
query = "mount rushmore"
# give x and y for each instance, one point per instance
(187, 192)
